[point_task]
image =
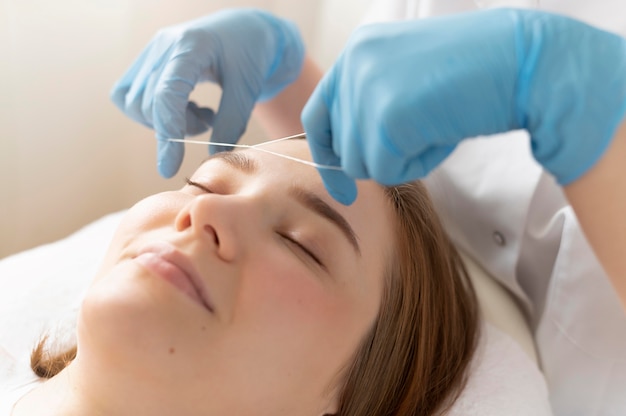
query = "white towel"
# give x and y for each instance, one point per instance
(503, 381)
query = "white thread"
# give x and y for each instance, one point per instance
(245, 146)
(258, 147)
(295, 136)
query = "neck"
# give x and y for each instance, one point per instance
(78, 391)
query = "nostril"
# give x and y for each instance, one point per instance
(211, 230)
(183, 222)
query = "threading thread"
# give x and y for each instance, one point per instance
(259, 148)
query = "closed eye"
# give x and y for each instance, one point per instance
(304, 249)
(294, 242)
(198, 185)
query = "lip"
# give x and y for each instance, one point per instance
(166, 261)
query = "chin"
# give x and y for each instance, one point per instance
(133, 320)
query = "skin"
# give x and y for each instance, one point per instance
(599, 200)
(280, 116)
(280, 327)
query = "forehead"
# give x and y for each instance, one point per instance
(281, 162)
(270, 161)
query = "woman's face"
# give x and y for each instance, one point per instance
(245, 292)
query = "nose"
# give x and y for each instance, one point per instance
(216, 221)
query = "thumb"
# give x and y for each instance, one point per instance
(339, 185)
(169, 156)
(317, 125)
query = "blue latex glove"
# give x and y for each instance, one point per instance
(402, 95)
(250, 53)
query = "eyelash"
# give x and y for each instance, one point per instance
(291, 240)
(198, 185)
(303, 248)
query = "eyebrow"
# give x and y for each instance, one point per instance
(237, 160)
(319, 206)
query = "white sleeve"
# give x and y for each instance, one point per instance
(387, 11)
(390, 10)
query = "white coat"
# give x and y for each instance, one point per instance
(500, 207)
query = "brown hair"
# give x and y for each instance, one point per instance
(414, 359)
(47, 364)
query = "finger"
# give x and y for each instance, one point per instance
(133, 93)
(417, 167)
(140, 103)
(232, 117)
(353, 148)
(393, 147)
(433, 157)
(316, 122)
(169, 157)
(347, 139)
(339, 185)
(171, 96)
(122, 86)
(198, 119)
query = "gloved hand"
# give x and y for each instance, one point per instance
(250, 53)
(402, 95)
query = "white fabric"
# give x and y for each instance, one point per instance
(41, 291)
(16, 383)
(43, 288)
(499, 308)
(503, 381)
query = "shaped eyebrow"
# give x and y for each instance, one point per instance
(241, 161)
(237, 160)
(316, 204)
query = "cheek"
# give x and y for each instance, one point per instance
(286, 298)
(304, 328)
(149, 214)
(132, 320)
(284, 291)
(152, 212)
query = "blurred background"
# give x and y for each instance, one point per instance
(68, 156)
